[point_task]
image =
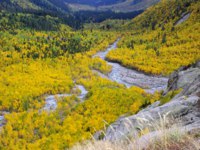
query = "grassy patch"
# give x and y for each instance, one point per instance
(165, 99)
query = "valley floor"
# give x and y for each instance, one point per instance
(61, 87)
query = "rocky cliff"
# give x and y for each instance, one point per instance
(183, 109)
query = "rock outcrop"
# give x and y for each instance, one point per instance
(183, 19)
(183, 77)
(184, 108)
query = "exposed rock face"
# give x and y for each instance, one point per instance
(184, 106)
(183, 19)
(184, 77)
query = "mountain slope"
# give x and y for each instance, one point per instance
(165, 13)
(50, 6)
(159, 44)
(38, 9)
(77, 5)
(95, 3)
(34, 14)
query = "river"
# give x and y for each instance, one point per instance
(51, 100)
(130, 77)
(119, 74)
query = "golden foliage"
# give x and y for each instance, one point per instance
(159, 51)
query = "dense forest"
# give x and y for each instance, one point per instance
(35, 13)
(45, 50)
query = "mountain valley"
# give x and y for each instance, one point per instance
(107, 74)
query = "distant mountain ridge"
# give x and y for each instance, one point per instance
(95, 3)
(77, 5)
(113, 5)
(73, 12)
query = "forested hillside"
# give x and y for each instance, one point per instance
(157, 43)
(57, 87)
(50, 6)
(34, 13)
(166, 13)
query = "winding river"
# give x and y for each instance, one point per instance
(51, 100)
(1, 120)
(119, 74)
(130, 77)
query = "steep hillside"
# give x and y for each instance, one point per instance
(161, 38)
(34, 13)
(164, 14)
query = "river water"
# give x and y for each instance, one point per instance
(51, 100)
(130, 77)
(1, 120)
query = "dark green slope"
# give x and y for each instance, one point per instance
(34, 14)
(50, 6)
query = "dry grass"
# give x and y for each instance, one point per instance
(164, 136)
(185, 143)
